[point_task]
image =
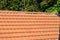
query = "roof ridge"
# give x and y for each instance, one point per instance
(25, 12)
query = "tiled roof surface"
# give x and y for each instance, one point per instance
(28, 26)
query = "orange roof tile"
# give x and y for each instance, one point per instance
(16, 25)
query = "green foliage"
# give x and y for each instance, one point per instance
(58, 3)
(12, 4)
(52, 9)
(27, 5)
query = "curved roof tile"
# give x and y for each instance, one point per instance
(16, 25)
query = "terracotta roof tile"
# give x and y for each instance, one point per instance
(16, 25)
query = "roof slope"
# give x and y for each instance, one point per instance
(28, 25)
